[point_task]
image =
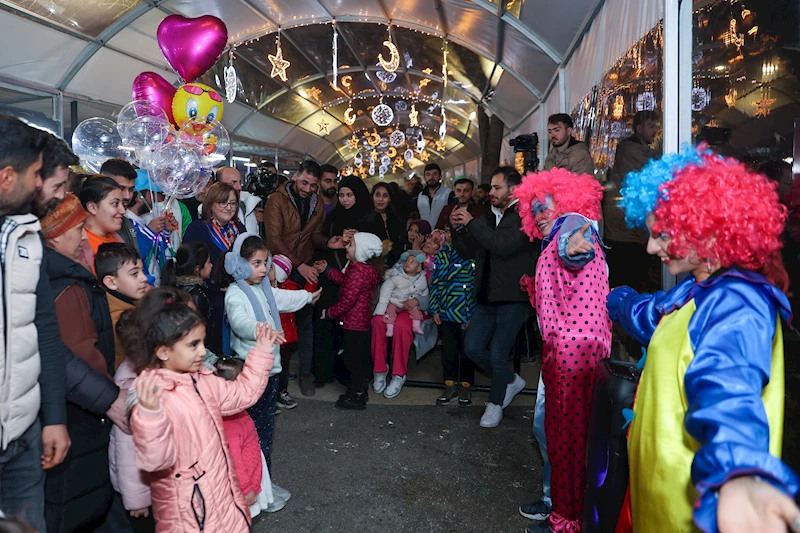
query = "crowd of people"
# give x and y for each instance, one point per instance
(147, 341)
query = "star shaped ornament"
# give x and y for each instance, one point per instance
(324, 127)
(279, 64)
(441, 145)
(352, 142)
(424, 156)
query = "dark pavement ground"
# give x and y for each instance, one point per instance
(402, 468)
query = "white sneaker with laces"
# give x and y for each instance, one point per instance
(492, 416)
(281, 492)
(379, 382)
(395, 386)
(512, 389)
(277, 504)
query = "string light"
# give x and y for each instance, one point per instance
(279, 64)
(335, 57)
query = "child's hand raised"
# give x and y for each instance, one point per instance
(320, 266)
(315, 296)
(147, 392)
(266, 337)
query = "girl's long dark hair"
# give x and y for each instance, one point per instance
(188, 259)
(161, 318)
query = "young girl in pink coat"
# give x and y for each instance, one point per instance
(176, 419)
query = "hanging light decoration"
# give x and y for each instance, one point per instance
(279, 64)
(394, 59)
(352, 142)
(700, 98)
(385, 161)
(392, 152)
(386, 77)
(358, 160)
(382, 114)
(444, 63)
(231, 81)
(349, 115)
(397, 138)
(413, 116)
(424, 156)
(619, 107)
(440, 145)
(371, 167)
(335, 57)
(646, 101)
(731, 97)
(408, 155)
(443, 126)
(373, 138)
(324, 126)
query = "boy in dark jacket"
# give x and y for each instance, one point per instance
(452, 304)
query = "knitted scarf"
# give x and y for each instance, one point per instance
(223, 236)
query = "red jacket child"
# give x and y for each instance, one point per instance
(353, 309)
(282, 267)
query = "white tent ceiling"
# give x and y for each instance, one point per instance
(502, 56)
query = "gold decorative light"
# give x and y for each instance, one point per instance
(619, 107)
(424, 156)
(428, 70)
(399, 162)
(373, 138)
(314, 92)
(324, 127)
(349, 116)
(346, 81)
(394, 61)
(763, 105)
(423, 82)
(352, 142)
(441, 145)
(731, 97)
(279, 64)
(413, 116)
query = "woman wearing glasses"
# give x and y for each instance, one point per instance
(218, 228)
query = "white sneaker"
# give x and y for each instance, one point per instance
(512, 389)
(277, 504)
(281, 492)
(395, 386)
(492, 416)
(379, 382)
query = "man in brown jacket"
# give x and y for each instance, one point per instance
(566, 151)
(293, 227)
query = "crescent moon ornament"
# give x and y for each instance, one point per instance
(392, 152)
(374, 139)
(347, 80)
(394, 62)
(349, 117)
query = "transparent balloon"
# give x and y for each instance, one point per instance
(95, 141)
(146, 133)
(137, 109)
(211, 137)
(179, 172)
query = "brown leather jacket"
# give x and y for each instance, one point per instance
(282, 227)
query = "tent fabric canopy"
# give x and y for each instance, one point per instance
(502, 56)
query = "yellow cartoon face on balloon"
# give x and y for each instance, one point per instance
(194, 100)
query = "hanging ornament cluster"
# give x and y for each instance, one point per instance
(231, 81)
(382, 114)
(279, 64)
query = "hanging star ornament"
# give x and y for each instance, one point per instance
(279, 64)
(324, 127)
(413, 116)
(424, 156)
(763, 106)
(440, 145)
(352, 142)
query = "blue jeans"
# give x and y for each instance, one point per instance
(538, 433)
(495, 326)
(22, 478)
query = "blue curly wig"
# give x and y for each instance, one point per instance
(640, 190)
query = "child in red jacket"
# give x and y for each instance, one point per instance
(362, 274)
(279, 277)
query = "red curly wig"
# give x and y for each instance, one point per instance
(723, 212)
(571, 193)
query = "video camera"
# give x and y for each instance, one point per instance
(527, 143)
(262, 182)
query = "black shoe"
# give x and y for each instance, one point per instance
(450, 393)
(307, 387)
(286, 401)
(465, 394)
(356, 401)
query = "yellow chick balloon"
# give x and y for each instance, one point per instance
(194, 100)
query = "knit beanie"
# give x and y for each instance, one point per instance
(67, 214)
(367, 246)
(283, 267)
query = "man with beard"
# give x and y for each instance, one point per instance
(566, 151)
(327, 186)
(503, 254)
(56, 160)
(435, 196)
(33, 434)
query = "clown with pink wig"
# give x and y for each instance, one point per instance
(705, 441)
(569, 292)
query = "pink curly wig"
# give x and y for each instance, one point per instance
(724, 212)
(571, 193)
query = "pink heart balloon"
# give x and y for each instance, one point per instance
(153, 88)
(192, 46)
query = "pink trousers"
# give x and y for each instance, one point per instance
(401, 344)
(392, 311)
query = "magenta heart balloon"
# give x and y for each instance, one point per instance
(192, 46)
(153, 88)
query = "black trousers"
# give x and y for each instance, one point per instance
(357, 359)
(456, 366)
(287, 351)
(327, 342)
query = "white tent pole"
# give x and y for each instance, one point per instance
(544, 142)
(562, 90)
(671, 86)
(685, 72)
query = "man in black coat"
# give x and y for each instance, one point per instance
(503, 254)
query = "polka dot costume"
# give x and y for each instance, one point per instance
(571, 305)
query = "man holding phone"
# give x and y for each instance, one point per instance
(463, 189)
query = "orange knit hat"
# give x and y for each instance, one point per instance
(67, 214)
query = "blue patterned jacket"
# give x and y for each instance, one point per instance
(452, 286)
